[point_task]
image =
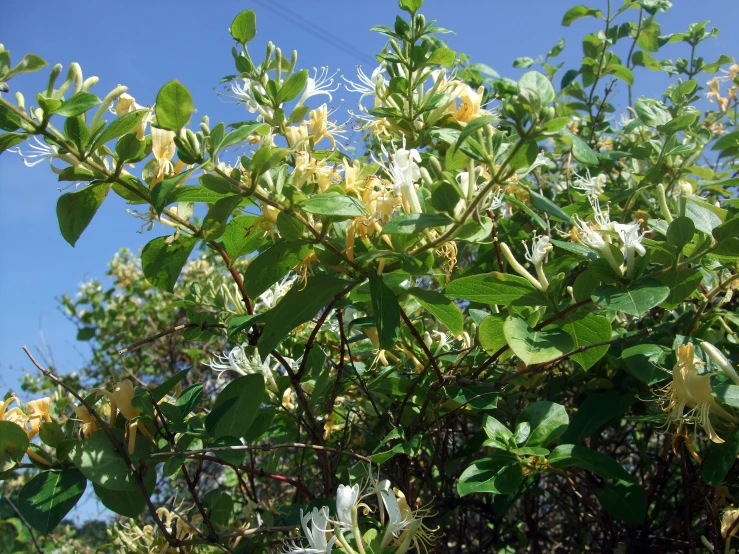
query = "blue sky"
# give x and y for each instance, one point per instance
(145, 44)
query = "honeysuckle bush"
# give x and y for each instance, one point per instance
(502, 321)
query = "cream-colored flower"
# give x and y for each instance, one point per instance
(470, 106)
(164, 149)
(689, 389)
(322, 127)
(89, 425)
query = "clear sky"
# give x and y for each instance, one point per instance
(144, 44)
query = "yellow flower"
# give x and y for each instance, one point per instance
(298, 134)
(380, 205)
(127, 103)
(163, 148)
(689, 389)
(120, 400)
(470, 107)
(714, 92)
(89, 425)
(37, 411)
(322, 127)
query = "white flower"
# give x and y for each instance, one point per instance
(404, 172)
(593, 187)
(541, 160)
(631, 239)
(539, 248)
(269, 298)
(319, 84)
(239, 362)
(367, 86)
(316, 533)
(40, 152)
(397, 521)
(346, 498)
(164, 149)
(494, 200)
(246, 94)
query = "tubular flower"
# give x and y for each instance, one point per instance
(317, 534)
(38, 411)
(346, 498)
(89, 425)
(540, 247)
(720, 360)
(41, 151)
(163, 148)
(246, 94)
(714, 92)
(381, 205)
(322, 127)
(120, 400)
(238, 362)
(470, 105)
(298, 134)
(319, 84)
(593, 187)
(521, 270)
(631, 239)
(689, 389)
(404, 173)
(404, 527)
(126, 104)
(367, 86)
(590, 235)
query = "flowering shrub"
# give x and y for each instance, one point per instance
(507, 324)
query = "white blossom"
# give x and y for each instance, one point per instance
(319, 84)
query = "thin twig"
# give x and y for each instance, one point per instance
(25, 523)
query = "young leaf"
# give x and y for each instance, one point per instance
(244, 26)
(544, 422)
(173, 106)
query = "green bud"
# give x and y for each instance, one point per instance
(436, 165)
(20, 100)
(55, 71)
(89, 83)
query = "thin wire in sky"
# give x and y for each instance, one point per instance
(310, 27)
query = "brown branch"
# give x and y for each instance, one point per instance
(139, 343)
(25, 523)
(419, 340)
(249, 447)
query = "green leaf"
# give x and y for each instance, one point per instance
(545, 205)
(220, 505)
(335, 205)
(538, 83)
(586, 330)
(580, 11)
(272, 265)
(720, 459)
(13, 444)
(160, 391)
(652, 112)
(490, 333)
(75, 210)
(728, 394)
(442, 56)
(705, 216)
(410, 6)
(642, 362)
(98, 460)
(29, 64)
(242, 236)
(682, 283)
(472, 126)
(244, 26)
(292, 86)
(78, 104)
(296, 307)
(119, 127)
(649, 37)
(726, 231)
(499, 474)
(241, 133)
(680, 232)
(729, 140)
(624, 501)
(636, 299)
(571, 455)
(51, 433)
(247, 393)
(173, 106)
(498, 434)
(189, 398)
(597, 410)
(218, 184)
(131, 504)
(526, 155)
(214, 224)
(496, 288)
(621, 72)
(411, 224)
(544, 423)
(441, 308)
(535, 347)
(163, 192)
(49, 496)
(385, 311)
(162, 260)
(523, 62)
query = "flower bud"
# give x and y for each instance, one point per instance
(55, 71)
